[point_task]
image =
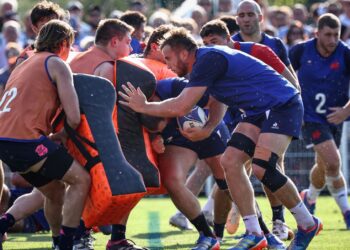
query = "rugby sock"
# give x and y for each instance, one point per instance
(219, 230)
(302, 216)
(66, 237)
(55, 240)
(118, 232)
(313, 193)
(263, 225)
(278, 213)
(6, 221)
(339, 194)
(260, 219)
(80, 230)
(252, 224)
(202, 226)
(209, 205)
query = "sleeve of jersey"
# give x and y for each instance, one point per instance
(207, 69)
(295, 54)
(283, 54)
(269, 57)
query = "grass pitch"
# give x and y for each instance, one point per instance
(148, 226)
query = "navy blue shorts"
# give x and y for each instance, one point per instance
(316, 133)
(212, 146)
(21, 155)
(285, 119)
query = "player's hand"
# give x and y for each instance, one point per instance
(196, 133)
(158, 144)
(133, 98)
(337, 116)
(59, 137)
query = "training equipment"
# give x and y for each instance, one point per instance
(116, 187)
(196, 118)
(133, 137)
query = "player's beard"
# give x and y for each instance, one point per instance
(329, 49)
(181, 68)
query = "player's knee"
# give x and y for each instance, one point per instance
(333, 166)
(232, 162)
(222, 184)
(242, 143)
(265, 169)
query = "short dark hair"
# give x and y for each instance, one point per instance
(157, 36)
(179, 38)
(329, 20)
(109, 28)
(52, 35)
(134, 18)
(231, 23)
(44, 10)
(214, 27)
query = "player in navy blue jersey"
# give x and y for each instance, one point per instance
(323, 67)
(274, 104)
(181, 154)
(249, 18)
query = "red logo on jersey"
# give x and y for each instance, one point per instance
(335, 65)
(41, 150)
(316, 135)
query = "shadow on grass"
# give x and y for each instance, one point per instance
(13, 237)
(156, 235)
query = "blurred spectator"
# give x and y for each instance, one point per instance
(231, 24)
(148, 32)
(86, 43)
(12, 51)
(282, 19)
(345, 17)
(8, 10)
(27, 35)
(225, 6)
(334, 7)
(82, 29)
(295, 34)
(11, 31)
(159, 17)
(301, 14)
(138, 21)
(199, 15)
(116, 14)
(191, 25)
(208, 7)
(94, 16)
(138, 5)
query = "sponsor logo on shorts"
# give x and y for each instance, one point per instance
(316, 135)
(41, 150)
(275, 126)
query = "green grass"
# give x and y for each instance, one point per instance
(148, 226)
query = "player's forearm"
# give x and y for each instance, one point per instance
(168, 108)
(217, 111)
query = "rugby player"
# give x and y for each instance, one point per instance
(239, 81)
(323, 67)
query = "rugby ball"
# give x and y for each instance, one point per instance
(196, 118)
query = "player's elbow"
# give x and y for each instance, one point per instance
(183, 110)
(73, 120)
